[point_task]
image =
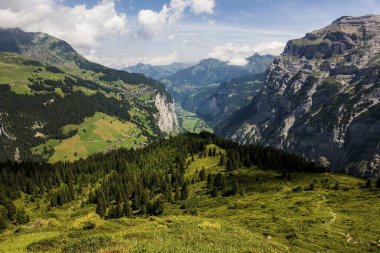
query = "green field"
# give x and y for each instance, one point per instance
(97, 133)
(272, 214)
(190, 122)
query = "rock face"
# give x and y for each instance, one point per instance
(166, 117)
(229, 98)
(320, 97)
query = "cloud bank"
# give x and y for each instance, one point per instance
(237, 54)
(154, 23)
(81, 26)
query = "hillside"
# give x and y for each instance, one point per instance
(49, 93)
(190, 193)
(321, 98)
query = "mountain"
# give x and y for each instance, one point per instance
(229, 98)
(207, 72)
(56, 105)
(198, 89)
(157, 72)
(321, 98)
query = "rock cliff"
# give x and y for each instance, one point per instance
(321, 98)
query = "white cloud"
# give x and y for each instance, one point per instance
(128, 61)
(202, 6)
(153, 23)
(237, 54)
(79, 25)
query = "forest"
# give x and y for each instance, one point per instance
(137, 182)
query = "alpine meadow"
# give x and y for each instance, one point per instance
(189, 126)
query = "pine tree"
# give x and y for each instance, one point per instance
(220, 181)
(21, 216)
(184, 191)
(222, 160)
(235, 187)
(229, 166)
(202, 174)
(3, 224)
(209, 152)
(100, 209)
(214, 151)
(214, 191)
(177, 195)
(127, 210)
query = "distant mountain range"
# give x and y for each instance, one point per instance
(212, 89)
(157, 72)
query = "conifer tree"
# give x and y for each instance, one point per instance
(184, 191)
(100, 209)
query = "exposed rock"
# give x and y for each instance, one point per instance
(166, 117)
(321, 96)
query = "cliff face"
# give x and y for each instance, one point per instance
(321, 97)
(166, 117)
(229, 98)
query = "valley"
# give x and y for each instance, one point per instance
(191, 128)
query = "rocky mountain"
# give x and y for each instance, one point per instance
(157, 72)
(213, 71)
(198, 89)
(56, 105)
(321, 98)
(229, 98)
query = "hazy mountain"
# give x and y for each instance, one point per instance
(321, 98)
(229, 98)
(56, 105)
(159, 71)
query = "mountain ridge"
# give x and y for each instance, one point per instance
(320, 97)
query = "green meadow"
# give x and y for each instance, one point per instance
(100, 132)
(305, 212)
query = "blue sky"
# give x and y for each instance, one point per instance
(123, 32)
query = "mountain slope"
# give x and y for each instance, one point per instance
(157, 72)
(188, 193)
(57, 88)
(321, 98)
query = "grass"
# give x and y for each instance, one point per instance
(189, 122)
(269, 217)
(98, 133)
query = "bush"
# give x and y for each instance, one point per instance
(88, 225)
(297, 189)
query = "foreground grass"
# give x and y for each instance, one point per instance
(270, 216)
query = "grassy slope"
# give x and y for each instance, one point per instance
(15, 70)
(189, 122)
(100, 132)
(269, 217)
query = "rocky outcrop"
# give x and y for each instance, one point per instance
(166, 117)
(321, 96)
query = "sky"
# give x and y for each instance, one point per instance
(120, 33)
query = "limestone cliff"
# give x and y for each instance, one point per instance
(166, 117)
(321, 98)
